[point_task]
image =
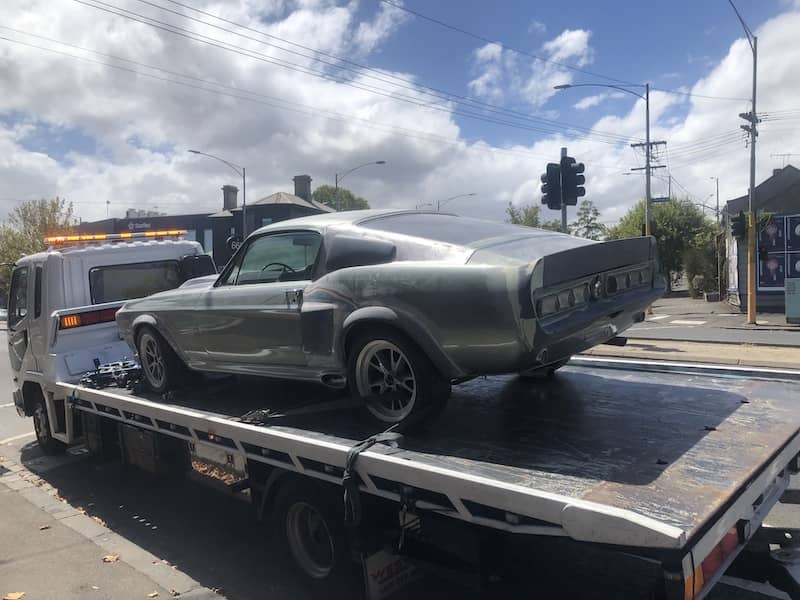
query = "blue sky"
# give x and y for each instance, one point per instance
(86, 131)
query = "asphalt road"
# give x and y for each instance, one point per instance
(667, 330)
(212, 536)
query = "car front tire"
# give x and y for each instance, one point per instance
(160, 365)
(396, 381)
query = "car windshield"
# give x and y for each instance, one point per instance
(124, 282)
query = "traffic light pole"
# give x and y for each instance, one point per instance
(563, 203)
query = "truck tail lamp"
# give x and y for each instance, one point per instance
(711, 565)
(82, 319)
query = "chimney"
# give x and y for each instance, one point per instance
(229, 197)
(302, 187)
(776, 172)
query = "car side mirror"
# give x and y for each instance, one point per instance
(350, 251)
(196, 265)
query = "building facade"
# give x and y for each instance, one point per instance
(213, 230)
(777, 206)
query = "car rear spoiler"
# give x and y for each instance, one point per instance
(575, 263)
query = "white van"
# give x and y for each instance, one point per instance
(61, 309)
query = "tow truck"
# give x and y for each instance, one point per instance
(669, 469)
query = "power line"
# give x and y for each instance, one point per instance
(543, 59)
(227, 46)
(237, 93)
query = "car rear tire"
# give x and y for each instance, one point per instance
(41, 426)
(161, 367)
(394, 378)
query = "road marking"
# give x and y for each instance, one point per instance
(16, 437)
(658, 317)
(6, 405)
(687, 322)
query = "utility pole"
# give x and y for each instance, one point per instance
(648, 167)
(563, 204)
(752, 118)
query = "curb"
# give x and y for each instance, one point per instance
(44, 496)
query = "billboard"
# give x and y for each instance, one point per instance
(779, 238)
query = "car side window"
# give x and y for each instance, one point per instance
(278, 257)
(18, 296)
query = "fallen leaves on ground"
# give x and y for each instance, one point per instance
(99, 521)
(152, 594)
(174, 593)
(43, 527)
(13, 596)
(109, 558)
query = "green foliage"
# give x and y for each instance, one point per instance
(587, 222)
(530, 216)
(681, 231)
(341, 200)
(24, 232)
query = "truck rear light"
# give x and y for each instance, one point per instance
(711, 564)
(93, 317)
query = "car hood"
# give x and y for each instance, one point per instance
(205, 281)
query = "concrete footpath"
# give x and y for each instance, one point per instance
(780, 357)
(51, 550)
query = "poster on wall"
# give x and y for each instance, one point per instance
(793, 265)
(793, 234)
(780, 237)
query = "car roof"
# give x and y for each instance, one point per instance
(324, 220)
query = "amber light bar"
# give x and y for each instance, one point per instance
(82, 319)
(60, 240)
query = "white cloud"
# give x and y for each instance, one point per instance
(140, 128)
(370, 34)
(596, 99)
(536, 27)
(502, 73)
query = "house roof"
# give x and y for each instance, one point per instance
(285, 198)
(779, 192)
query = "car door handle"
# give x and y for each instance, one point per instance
(294, 299)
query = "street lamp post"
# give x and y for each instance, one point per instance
(646, 98)
(243, 174)
(338, 178)
(440, 203)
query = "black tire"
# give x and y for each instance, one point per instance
(311, 535)
(41, 426)
(382, 390)
(544, 372)
(162, 370)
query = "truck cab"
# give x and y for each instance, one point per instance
(62, 304)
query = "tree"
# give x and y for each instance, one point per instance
(680, 226)
(587, 222)
(341, 200)
(530, 216)
(24, 232)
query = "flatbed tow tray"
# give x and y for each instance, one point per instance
(641, 459)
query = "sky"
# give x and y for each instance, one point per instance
(103, 98)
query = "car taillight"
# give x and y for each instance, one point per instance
(82, 319)
(711, 564)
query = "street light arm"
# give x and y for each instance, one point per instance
(744, 25)
(372, 162)
(440, 204)
(607, 85)
(239, 170)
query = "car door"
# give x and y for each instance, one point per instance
(249, 321)
(18, 318)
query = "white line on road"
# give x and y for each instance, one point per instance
(658, 317)
(16, 437)
(687, 322)
(6, 405)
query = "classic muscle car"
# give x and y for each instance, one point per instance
(398, 305)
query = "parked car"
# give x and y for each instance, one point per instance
(398, 305)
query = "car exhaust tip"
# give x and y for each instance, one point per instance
(333, 380)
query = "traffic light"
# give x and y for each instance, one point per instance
(739, 225)
(571, 180)
(551, 186)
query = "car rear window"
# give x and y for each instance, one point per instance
(450, 229)
(123, 282)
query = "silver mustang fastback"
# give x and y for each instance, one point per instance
(398, 305)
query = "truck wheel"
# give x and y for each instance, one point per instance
(41, 426)
(314, 537)
(396, 381)
(160, 365)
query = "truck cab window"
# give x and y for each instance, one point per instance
(37, 293)
(18, 296)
